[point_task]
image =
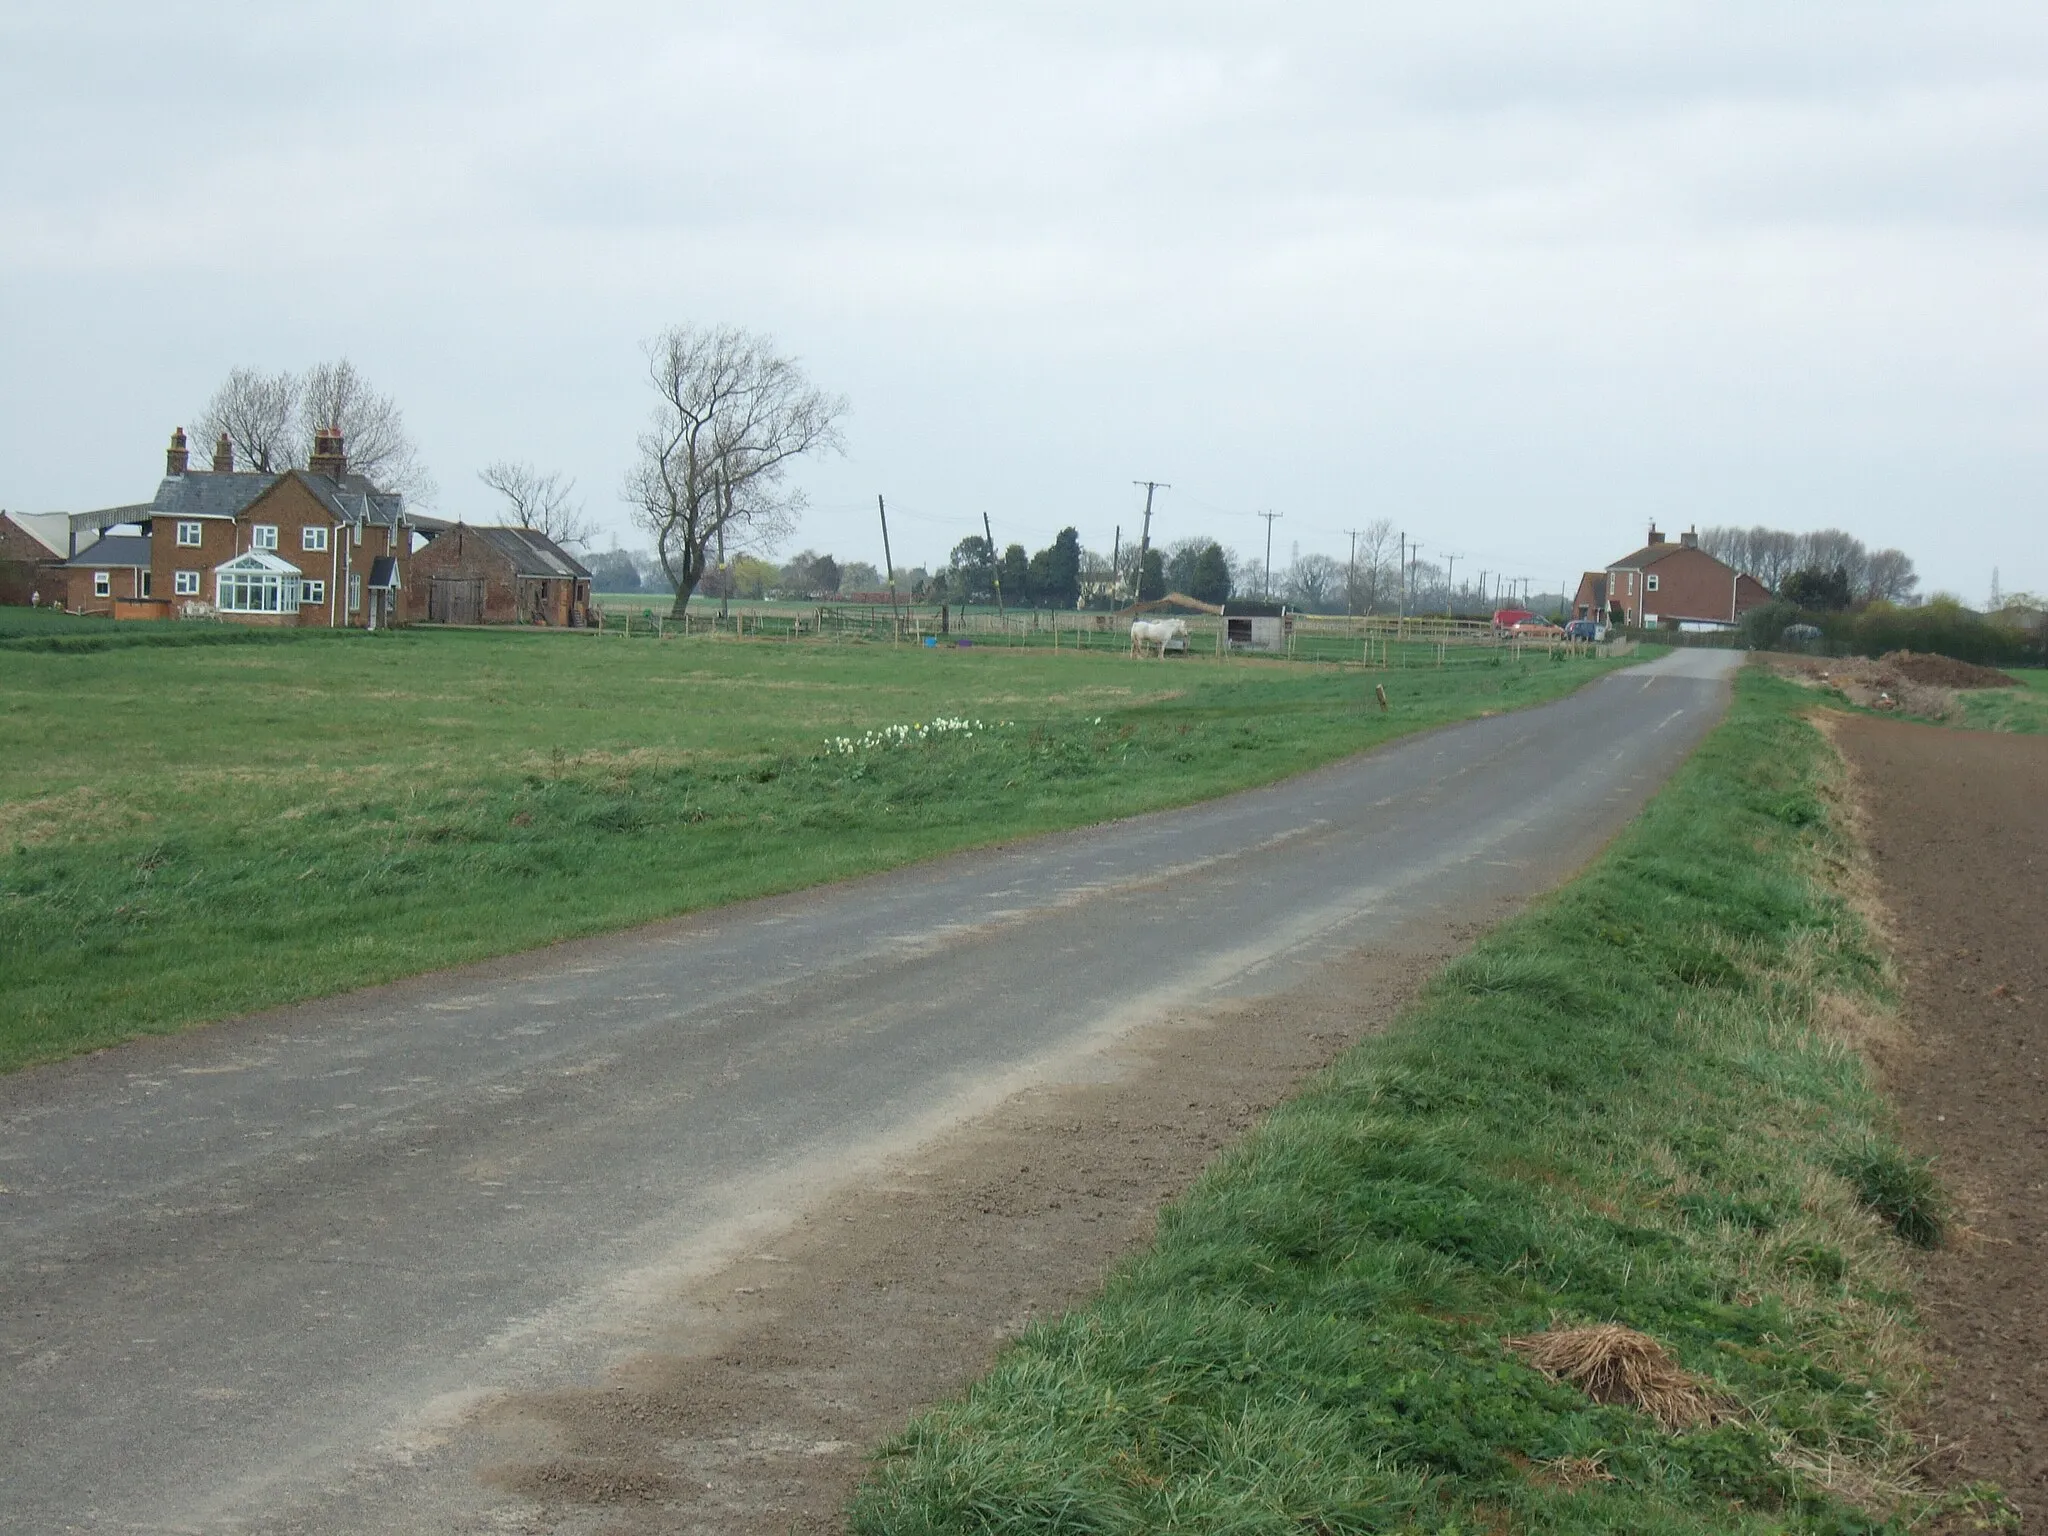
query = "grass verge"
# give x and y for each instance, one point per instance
(2023, 709)
(1630, 1107)
(191, 833)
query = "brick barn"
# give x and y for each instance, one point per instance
(1676, 585)
(482, 574)
(28, 566)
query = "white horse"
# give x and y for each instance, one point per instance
(1159, 632)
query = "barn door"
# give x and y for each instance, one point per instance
(455, 600)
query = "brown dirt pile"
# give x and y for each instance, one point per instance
(1957, 825)
(1877, 684)
(1944, 671)
(1613, 1364)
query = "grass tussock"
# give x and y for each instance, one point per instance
(1573, 1248)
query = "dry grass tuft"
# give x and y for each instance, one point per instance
(1571, 1473)
(1613, 1364)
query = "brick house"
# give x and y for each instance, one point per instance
(114, 570)
(28, 566)
(318, 546)
(493, 575)
(1664, 583)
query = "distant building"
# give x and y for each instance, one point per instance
(1669, 584)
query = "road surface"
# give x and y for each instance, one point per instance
(246, 1273)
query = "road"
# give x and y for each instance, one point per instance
(248, 1271)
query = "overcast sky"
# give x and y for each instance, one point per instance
(1521, 277)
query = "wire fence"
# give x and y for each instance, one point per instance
(1378, 642)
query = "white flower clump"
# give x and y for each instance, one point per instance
(903, 735)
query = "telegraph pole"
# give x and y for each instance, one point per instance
(1351, 576)
(1269, 517)
(1401, 603)
(995, 565)
(1145, 538)
(889, 562)
(1450, 585)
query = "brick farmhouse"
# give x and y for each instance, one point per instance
(312, 547)
(1674, 585)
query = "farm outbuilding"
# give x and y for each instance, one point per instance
(1254, 626)
(482, 574)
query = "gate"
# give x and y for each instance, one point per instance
(455, 600)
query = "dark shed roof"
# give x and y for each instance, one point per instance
(121, 549)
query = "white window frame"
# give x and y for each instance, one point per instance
(263, 536)
(255, 592)
(185, 583)
(1651, 584)
(102, 584)
(312, 591)
(190, 535)
(355, 591)
(147, 583)
(313, 538)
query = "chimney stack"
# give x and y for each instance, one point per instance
(1690, 538)
(329, 458)
(177, 456)
(223, 456)
(1655, 536)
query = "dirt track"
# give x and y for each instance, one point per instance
(1957, 822)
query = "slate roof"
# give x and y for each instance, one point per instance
(119, 550)
(352, 499)
(1649, 554)
(531, 552)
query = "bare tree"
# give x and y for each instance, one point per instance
(271, 418)
(258, 412)
(541, 502)
(1315, 582)
(732, 416)
(1375, 572)
(372, 428)
(1889, 576)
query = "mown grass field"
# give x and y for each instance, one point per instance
(1641, 1103)
(192, 832)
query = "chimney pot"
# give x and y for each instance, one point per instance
(1655, 536)
(329, 456)
(223, 456)
(177, 456)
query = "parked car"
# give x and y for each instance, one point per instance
(1536, 629)
(1586, 629)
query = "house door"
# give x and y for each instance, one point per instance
(455, 600)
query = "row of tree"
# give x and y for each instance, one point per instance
(1827, 569)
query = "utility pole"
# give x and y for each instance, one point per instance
(1450, 585)
(1270, 517)
(1116, 555)
(1401, 603)
(724, 576)
(1145, 538)
(889, 563)
(995, 564)
(1351, 575)
(1482, 588)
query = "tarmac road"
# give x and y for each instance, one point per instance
(246, 1275)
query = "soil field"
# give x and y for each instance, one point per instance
(1957, 823)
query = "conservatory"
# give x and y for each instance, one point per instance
(257, 583)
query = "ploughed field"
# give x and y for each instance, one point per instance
(192, 832)
(1957, 824)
